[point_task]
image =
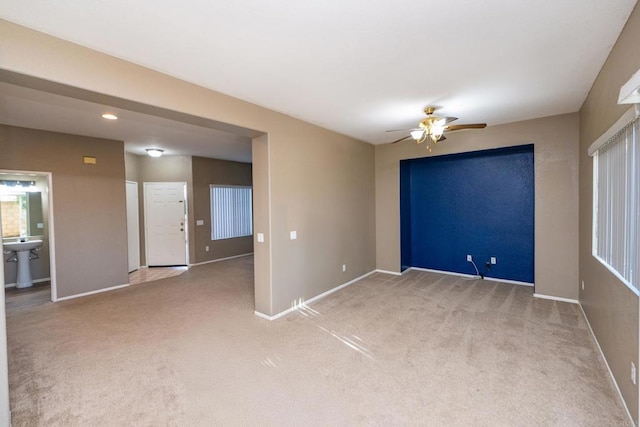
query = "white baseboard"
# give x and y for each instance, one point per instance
(98, 291)
(449, 273)
(472, 276)
(393, 273)
(552, 298)
(297, 304)
(633, 423)
(220, 259)
(13, 285)
(510, 282)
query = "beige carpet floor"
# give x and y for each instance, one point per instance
(421, 349)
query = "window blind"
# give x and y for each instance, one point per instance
(616, 237)
(231, 212)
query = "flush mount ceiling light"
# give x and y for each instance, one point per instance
(155, 152)
(109, 116)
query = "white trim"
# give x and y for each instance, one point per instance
(629, 92)
(626, 118)
(52, 241)
(633, 423)
(552, 298)
(511, 282)
(264, 316)
(297, 304)
(13, 285)
(449, 273)
(393, 273)
(472, 276)
(98, 291)
(220, 259)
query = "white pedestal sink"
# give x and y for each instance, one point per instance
(23, 250)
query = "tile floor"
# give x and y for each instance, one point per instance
(40, 293)
(154, 273)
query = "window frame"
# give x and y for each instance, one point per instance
(237, 230)
(623, 167)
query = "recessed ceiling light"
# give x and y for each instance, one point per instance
(109, 116)
(154, 152)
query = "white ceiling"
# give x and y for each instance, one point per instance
(20, 106)
(354, 66)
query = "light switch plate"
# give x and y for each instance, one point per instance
(199, 221)
(260, 237)
(293, 235)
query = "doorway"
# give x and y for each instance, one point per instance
(133, 226)
(28, 198)
(165, 218)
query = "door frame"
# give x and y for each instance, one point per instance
(52, 240)
(186, 218)
(136, 224)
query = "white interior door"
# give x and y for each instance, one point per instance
(133, 226)
(165, 213)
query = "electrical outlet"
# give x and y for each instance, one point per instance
(206, 248)
(493, 260)
(344, 267)
(633, 373)
(583, 285)
(469, 258)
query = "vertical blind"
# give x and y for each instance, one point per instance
(231, 212)
(616, 237)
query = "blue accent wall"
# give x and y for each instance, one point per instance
(479, 203)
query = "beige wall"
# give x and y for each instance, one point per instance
(320, 183)
(612, 309)
(199, 173)
(88, 203)
(322, 187)
(213, 171)
(262, 224)
(143, 169)
(555, 142)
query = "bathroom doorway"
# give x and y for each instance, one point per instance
(26, 214)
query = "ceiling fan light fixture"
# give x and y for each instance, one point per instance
(417, 135)
(432, 129)
(436, 132)
(155, 152)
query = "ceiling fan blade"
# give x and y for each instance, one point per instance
(401, 130)
(451, 128)
(449, 119)
(401, 139)
(442, 138)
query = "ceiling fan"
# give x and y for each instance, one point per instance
(434, 127)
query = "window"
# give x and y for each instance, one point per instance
(616, 203)
(231, 212)
(14, 214)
